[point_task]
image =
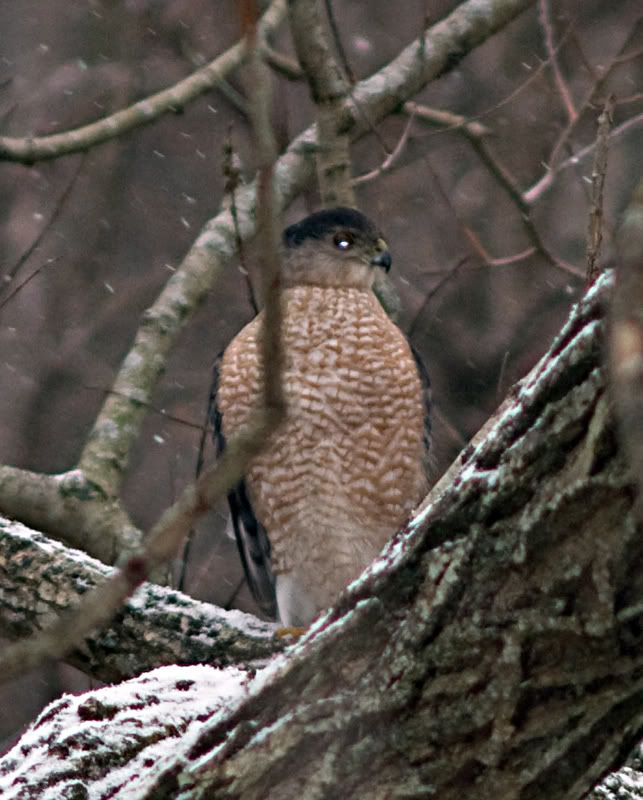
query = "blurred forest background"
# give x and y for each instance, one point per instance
(482, 291)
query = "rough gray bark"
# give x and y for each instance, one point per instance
(492, 652)
(40, 579)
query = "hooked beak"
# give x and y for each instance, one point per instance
(382, 258)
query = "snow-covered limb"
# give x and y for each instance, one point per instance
(40, 578)
(114, 741)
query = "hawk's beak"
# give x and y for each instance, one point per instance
(382, 258)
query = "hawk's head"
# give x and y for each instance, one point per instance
(334, 247)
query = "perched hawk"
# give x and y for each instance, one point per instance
(346, 467)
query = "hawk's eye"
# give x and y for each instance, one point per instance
(343, 240)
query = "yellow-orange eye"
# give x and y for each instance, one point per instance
(343, 240)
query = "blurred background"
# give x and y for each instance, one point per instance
(482, 293)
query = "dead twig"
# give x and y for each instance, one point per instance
(561, 83)
(599, 170)
(56, 211)
(390, 161)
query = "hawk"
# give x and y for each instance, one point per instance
(347, 466)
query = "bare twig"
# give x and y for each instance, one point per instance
(390, 161)
(58, 207)
(282, 63)
(535, 192)
(477, 135)
(504, 178)
(446, 276)
(446, 119)
(589, 100)
(28, 150)
(599, 170)
(232, 181)
(341, 52)
(18, 287)
(161, 412)
(561, 84)
(267, 219)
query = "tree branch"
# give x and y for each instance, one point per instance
(41, 579)
(30, 149)
(328, 89)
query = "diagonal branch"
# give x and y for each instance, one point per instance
(30, 149)
(41, 579)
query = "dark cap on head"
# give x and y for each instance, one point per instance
(321, 223)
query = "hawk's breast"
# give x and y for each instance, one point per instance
(345, 469)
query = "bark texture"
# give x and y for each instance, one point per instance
(40, 579)
(494, 650)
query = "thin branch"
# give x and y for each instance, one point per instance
(477, 135)
(543, 184)
(232, 181)
(282, 63)
(20, 286)
(390, 161)
(161, 412)
(341, 52)
(28, 150)
(504, 179)
(590, 99)
(350, 75)
(561, 84)
(58, 207)
(599, 170)
(447, 119)
(446, 276)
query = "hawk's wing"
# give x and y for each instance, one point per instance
(426, 402)
(252, 539)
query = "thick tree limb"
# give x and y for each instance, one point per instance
(493, 650)
(152, 714)
(41, 579)
(71, 508)
(328, 88)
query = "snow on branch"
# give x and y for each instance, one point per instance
(115, 740)
(41, 579)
